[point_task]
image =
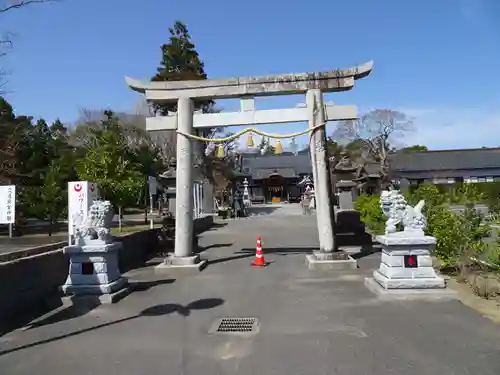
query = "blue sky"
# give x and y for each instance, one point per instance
(436, 60)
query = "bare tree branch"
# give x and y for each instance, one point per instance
(379, 132)
(164, 141)
(134, 126)
(6, 39)
(11, 5)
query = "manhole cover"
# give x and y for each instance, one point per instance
(235, 325)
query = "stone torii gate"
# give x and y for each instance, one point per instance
(246, 88)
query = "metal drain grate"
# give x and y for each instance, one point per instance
(235, 325)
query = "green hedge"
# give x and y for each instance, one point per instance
(458, 237)
(371, 214)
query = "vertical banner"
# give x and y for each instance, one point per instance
(195, 200)
(152, 185)
(81, 195)
(7, 204)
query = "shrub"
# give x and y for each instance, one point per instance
(494, 255)
(476, 229)
(446, 226)
(371, 214)
(458, 236)
(492, 196)
(430, 193)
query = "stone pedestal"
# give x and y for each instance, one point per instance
(345, 193)
(189, 263)
(406, 267)
(93, 271)
(334, 260)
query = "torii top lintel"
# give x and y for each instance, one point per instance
(226, 88)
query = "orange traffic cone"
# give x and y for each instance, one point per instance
(259, 257)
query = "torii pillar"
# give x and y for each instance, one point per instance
(185, 120)
(317, 147)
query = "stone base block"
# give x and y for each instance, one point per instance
(101, 299)
(172, 262)
(431, 282)
(406, 263)
(436, 294)
(105, 293)
(93, 269)
(330, 261)
(435, 282)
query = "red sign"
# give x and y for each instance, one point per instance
(92, 188)
(411, 261)
(77, 188)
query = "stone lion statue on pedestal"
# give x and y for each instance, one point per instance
(396, 209)
(97, 225)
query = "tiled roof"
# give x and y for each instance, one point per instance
(449, 173)
(266, 172)
(299, 164)
(420, 164)
(482, 158)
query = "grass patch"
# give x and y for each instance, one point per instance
(132, 229)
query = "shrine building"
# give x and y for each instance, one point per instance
(276, 178)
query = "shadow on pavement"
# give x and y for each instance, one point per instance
(142, 286)
(81, 307)
(256, 210)
(152, 311)
(74, 311)
(201, 249)
(280, 250)
(169, 308)
(21, 320)
(366, 250)
(250, 252)
(215, 226)
(353, 239)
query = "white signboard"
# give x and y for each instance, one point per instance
(153, 185)
(7, 204)
(81, 194)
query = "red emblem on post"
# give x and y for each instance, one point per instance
(411, 261)
(92, 188)
(77, 188)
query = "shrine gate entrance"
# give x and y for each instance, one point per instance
(246, 88)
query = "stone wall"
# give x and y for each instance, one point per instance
(6, 257)
(30, 283)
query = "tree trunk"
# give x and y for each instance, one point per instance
(146, 191)
(50, 225)
(120, 218)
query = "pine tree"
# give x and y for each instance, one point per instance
(265, 147)
(12, 137)
(180, 62)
